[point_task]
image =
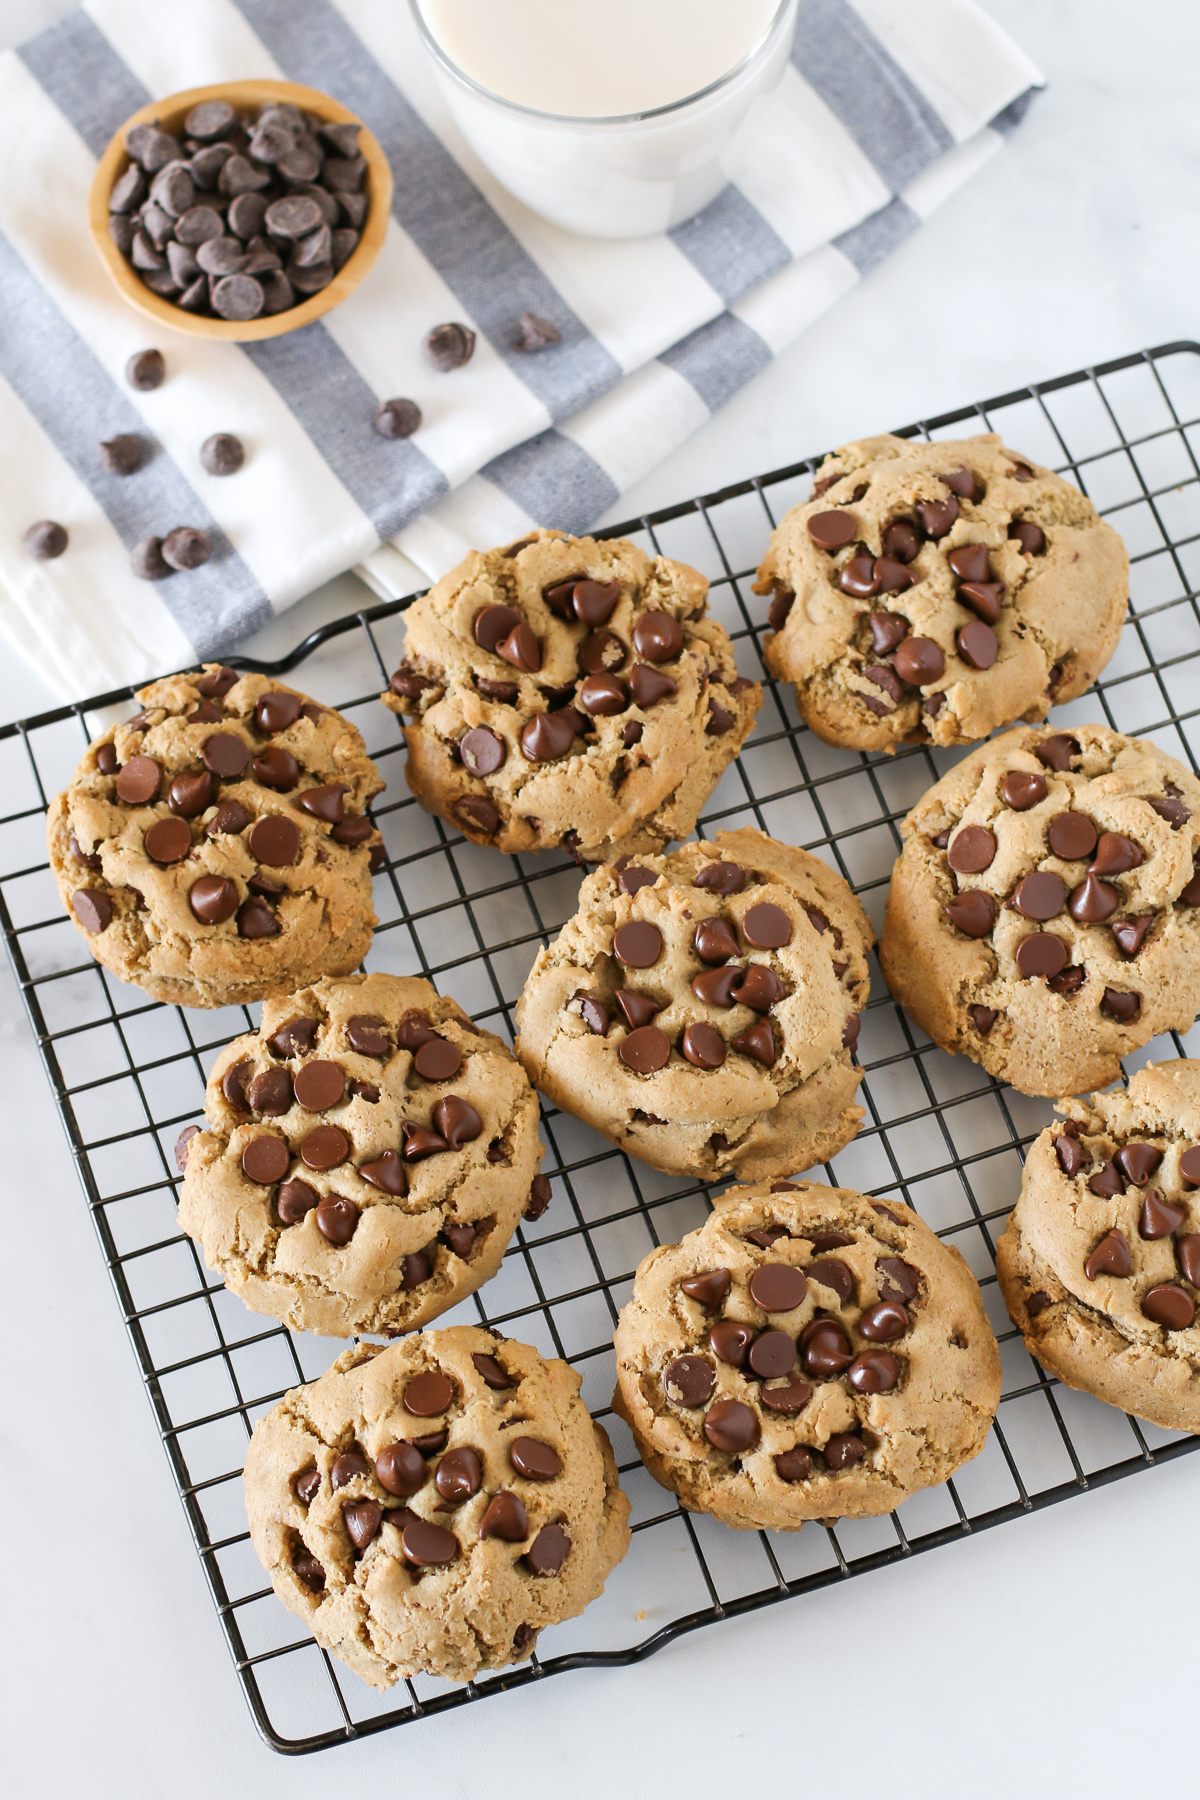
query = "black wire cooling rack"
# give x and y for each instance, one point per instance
(127, 1075)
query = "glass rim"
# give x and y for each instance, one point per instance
(596, 119)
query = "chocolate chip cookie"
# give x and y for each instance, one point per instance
(565, 691)
(368, 1156)
(935, 591)
(807, 1354)
(1044, 915)
(1100, 1264)
(215, 848)
(701, 1008)
(432, 1506)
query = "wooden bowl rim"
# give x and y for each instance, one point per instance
(116, 160)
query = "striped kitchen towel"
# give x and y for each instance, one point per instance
(885, 109)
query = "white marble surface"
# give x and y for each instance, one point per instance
(1047, 1654)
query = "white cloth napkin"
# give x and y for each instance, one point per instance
(884, 110)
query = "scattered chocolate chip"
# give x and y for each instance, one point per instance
(781, 605)
(450, 346)
(536, 333)
(971, 850)
(973, 912)
(146, 370)
(396, 418)
(730, 1425)
(1041, 954)
(1170, 1306)
(1158, 1219)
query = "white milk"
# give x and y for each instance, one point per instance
(595, 59)
(616, 118)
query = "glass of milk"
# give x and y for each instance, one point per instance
(615, 118)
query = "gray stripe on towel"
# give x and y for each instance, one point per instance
(78, 68)
(882, 109)
(440, 208)
(718, 359)
(869, 242)
(76, 402)
(554, 480)
(731, 245)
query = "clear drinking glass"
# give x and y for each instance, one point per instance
(626, 176)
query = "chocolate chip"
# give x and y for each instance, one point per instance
(450, 346)
(778, 1287)
(649, 686)
(843, 1450)
(638, 944)
(1131, 934)
(900, 541)
(213, 899)
(886, 1320)
(832, 530)
(709, 1289)
(417, 1270)
(978, 644)
(536, 334)
(1031, 537)
(794, 1465)
(767, 1236)
(892, 576)
(593, 603)
(549, 736)
(167, 841)
(721, 878)
(881, 675)
(873, 1372)
(1158, 1219)
(1109, 1256)
(295, 1200)
(1137, 1162)
(1072, 836)
(181, 1146)
(898, 1279)
(459, 1475)
(657, 637)
(386, 1173)
(1189, 1167)
(275, 841)
(1094, 901)
(757, 1042)
(146, 369)
(703, 1046)
(964, 482)
(971, 850)
(1120, 1006)
(1115, 855)
(593, 1012)
(983, 598)
(1056, 752)
(767, 927)
(534, 1460)
(832, 1272)
(138, 781)
(603, 695)
(457, 1121)
(226, 755)
(731, 1426)
(1172, 810)
(438, 1060)
(1041, 954)
(428, 1546)
(794, 1395)
(600, 653)
(320, 1085)
(521, 648)
(505, 1519)
(757, 987)
(1170, 1306)
(396, 418)
(970, 562)
(973, 912)
(265, 1160)
(772, 1354)
(325, 1147)
(937, 516)
(1041, 895)
(717, 987)
(548, 1551)
(645, 1050)
(1187, 1248)
(276, 768)
(781, 605)
(689, 1381)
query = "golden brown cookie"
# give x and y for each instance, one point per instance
(369, 1154)
(1100, 1264)
(215, 848)
(1044, 914)
(935, 591)
(430, 1507)
(701, 1008)
(566, 691)
(807, 1354)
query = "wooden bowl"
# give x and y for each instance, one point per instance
(244, 95)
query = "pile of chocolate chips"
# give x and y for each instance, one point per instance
(243, 215)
